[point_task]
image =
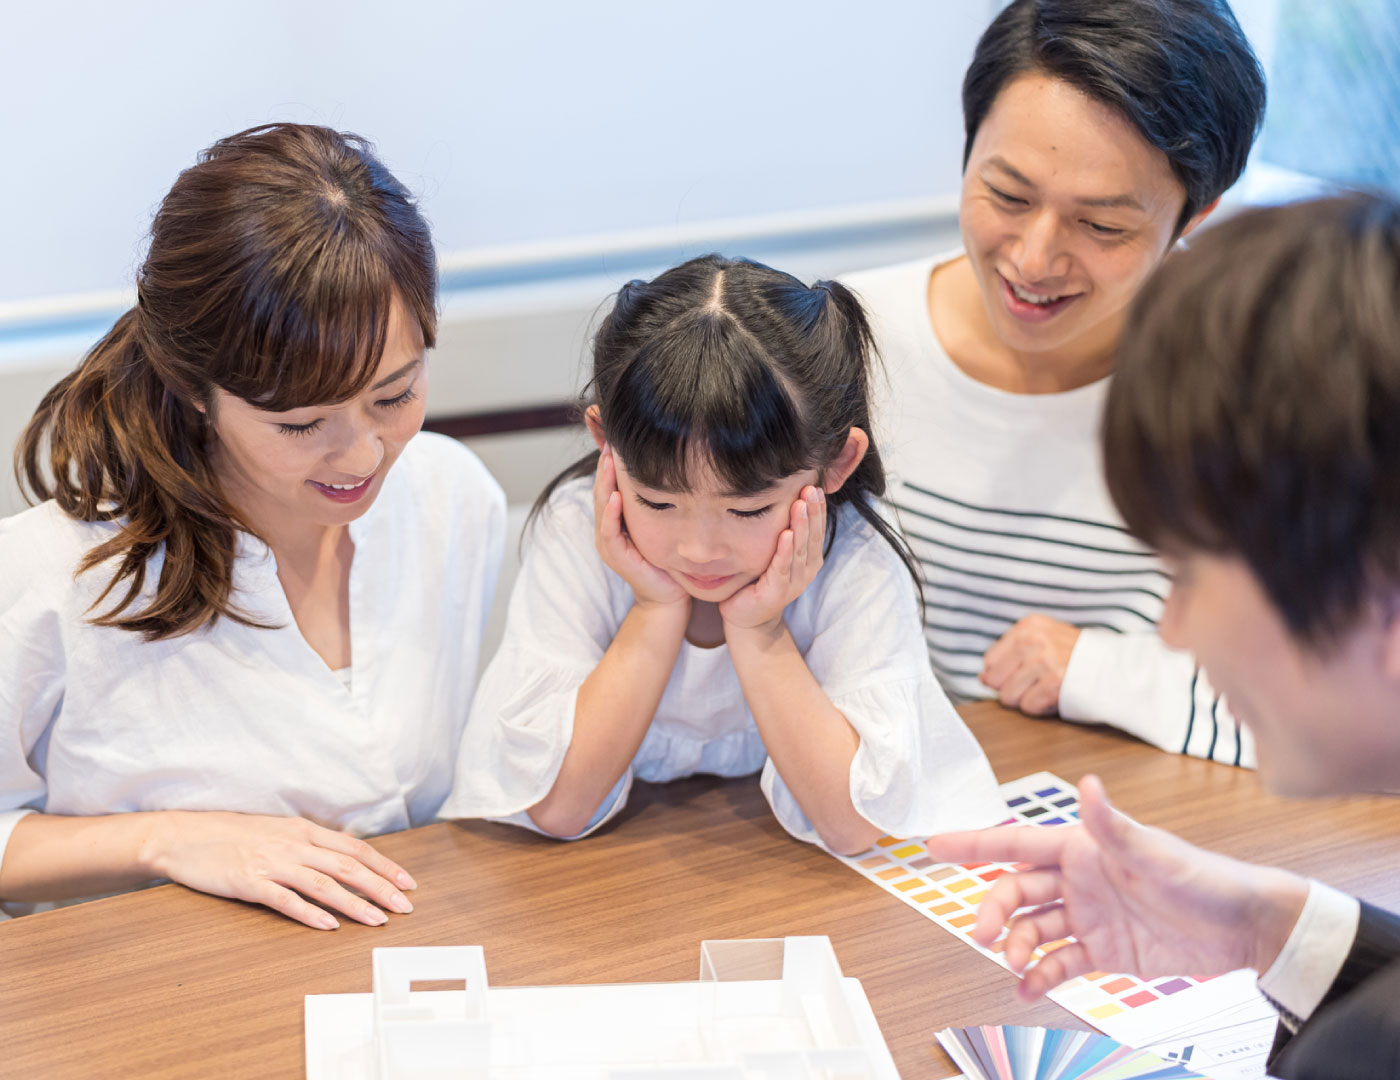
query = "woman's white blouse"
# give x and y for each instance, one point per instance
(97, 721)
(917, 770)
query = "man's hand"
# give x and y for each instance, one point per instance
(1139, 900)
(1027, 666)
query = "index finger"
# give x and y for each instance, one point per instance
(816, 515)
(364, 853)
(1004, 843)
(1009, 894)
(604, 483)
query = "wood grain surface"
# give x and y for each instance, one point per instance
(170, 983)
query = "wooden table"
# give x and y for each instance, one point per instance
(170, 983)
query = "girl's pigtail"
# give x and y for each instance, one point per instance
(851, 338)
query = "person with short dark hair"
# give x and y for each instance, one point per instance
(1097, 135)
(1252, 435)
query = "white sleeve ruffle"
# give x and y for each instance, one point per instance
(560, 622)
(521, 725)
(918, 770)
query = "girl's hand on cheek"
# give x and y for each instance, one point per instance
(650, 585)
(794, 566)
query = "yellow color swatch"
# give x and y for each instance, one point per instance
(905, 852)
(1102, 1011)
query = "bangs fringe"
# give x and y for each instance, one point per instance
(706, 394)
(320, 339)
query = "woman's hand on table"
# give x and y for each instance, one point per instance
(1139, 900)
(288, 864)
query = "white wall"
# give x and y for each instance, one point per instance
(516, 122)
(558, 148)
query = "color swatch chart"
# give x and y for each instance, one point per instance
(1131, 1010)
(1026, 1053)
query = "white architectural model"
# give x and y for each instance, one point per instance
(767, 1009)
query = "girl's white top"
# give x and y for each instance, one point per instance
(99, 721)
(917, 770)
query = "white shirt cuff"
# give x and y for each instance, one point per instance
(1081, 690)
(1315, 951)
(8, 820)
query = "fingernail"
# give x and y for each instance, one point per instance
(404, 881)
(375, 917)
(326, 921)
(400, 903)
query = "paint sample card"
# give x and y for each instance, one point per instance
(1128, 1009)
(1022, 1053)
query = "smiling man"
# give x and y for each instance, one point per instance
(1097, 135)
(1253, 435)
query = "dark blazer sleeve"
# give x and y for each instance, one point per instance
(1355, 1031)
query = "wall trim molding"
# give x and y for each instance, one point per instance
(505, 421)
(91, 314)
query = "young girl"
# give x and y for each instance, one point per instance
(722, 598)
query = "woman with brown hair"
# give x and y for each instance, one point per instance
(241, 627)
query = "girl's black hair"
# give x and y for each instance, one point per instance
(761, 375)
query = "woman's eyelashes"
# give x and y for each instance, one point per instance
(396, 402)
(399, 400)
(299, 429)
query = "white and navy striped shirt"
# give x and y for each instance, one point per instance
(1002, 499)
